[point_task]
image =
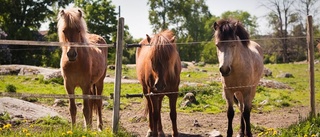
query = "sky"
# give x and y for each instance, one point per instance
(135, 13)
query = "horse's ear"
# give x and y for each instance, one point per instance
(61, 12)
(148, 38)
(80, 12)
(215, 26)
(173, 39)
(236, 24)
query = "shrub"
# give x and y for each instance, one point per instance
(11, 88)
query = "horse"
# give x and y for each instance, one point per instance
(241, 67)
(84, 66)
(158, 67)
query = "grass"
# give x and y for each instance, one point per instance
(206, 88)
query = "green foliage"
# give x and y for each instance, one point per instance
(4, 117)
(11, 88)
(23, 23)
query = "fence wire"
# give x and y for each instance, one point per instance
(75, 44)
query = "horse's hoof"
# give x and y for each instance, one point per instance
(149, 133)
(240, 135)
(161, 134)
(175, 134)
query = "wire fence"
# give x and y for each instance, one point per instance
(75, 44)
(56, 44)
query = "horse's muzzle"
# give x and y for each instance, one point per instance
(225, 71)
(159, 86)
(72, 55)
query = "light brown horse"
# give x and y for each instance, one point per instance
(83, 67)
(241, 67)
(158, 70)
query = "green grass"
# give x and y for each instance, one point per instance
(207, 91)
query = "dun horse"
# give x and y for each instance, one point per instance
(241, 67)
(158, 70)
(83, 67)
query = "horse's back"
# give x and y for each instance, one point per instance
(258, 58)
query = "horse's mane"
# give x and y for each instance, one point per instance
(162, 49)
(231, 27)
(72, 18)
(162, 46)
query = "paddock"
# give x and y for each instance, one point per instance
(190, 127)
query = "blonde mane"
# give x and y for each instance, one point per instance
(72, 18)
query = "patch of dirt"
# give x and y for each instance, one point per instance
(133, 120)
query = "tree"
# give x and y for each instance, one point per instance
(280, 17)
(21, 19)
(100, 16)
(185, 19)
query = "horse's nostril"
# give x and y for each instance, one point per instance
(225, 71)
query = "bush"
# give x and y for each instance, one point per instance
(11, 88)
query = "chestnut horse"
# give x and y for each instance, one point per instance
(83, 67)
(241, 67)
(158, 67)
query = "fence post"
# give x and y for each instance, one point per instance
(311, 64)
(117, 81)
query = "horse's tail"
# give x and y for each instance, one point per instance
(94, 102)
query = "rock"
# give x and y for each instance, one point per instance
(285, 75)
(16, 107)
(29, 71)
(125, 77)
(214, 133)
(190, 97)
(188, 75)
(184, 65)
(203, 70)
(59, 102)
(267, 72)
(112, 67)
(56, 74)
(196, 123)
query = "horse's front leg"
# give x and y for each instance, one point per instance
(155, 115)
(160, 129)
(87, 109)
(173, 114)
(230, 113)
(150, 110)
(246, 116)
(72, 104)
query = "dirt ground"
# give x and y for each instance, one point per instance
(132, 119)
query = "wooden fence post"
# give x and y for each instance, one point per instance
(117, 81)
(311, 64)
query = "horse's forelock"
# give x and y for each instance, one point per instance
(162, 50)
(229, 28)
(72, 18)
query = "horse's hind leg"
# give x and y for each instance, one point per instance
(173, 113)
